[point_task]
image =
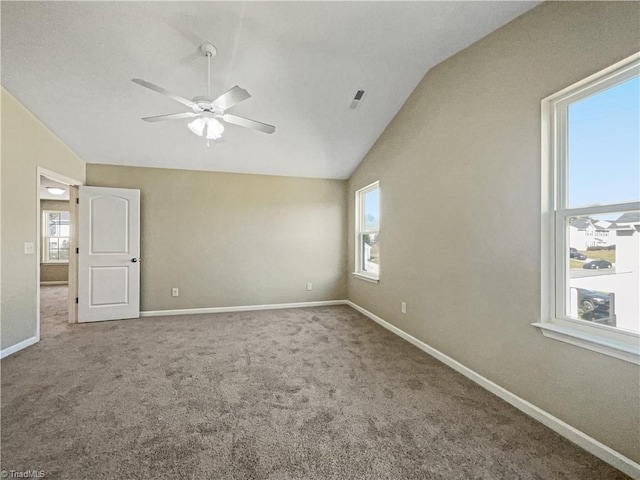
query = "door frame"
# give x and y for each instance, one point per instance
(73, 243)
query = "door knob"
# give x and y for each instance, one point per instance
(135, 260)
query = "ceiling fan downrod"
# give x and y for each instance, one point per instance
(208, 50)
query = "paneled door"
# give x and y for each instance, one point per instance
(109, 254)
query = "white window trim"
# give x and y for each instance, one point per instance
(360, 230)
(600, 338)
(45, 256)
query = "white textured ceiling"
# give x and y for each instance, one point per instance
(71, 64)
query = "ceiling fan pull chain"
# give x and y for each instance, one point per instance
(208, 77)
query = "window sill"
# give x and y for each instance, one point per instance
(366, 278)
(596, 343)
(55, 263)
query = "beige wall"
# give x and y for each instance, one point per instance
(459, 169)
(26, 145)
(228, 239)
(52, 272)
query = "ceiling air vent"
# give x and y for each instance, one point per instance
(356, 99)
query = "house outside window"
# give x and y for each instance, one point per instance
(56, 232)
(591, 212)
(368, 232)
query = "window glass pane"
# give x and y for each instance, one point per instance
(56, 241)
(370, 253)
(52, 223)
(603, 284)
(53, 249)
(604, 147)
(372, 210)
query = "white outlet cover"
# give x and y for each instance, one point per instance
(29, 248)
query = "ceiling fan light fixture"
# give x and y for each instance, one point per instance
(55, 190)
(197, 126)
(214, 129)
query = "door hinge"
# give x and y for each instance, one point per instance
(77, 200)
(76, 299)
(77, 250)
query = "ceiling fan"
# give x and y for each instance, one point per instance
(207, 111)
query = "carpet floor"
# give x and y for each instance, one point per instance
(312, 393)
(54, 310)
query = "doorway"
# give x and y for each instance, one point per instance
(57, 262)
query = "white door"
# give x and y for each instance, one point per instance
(109, 254)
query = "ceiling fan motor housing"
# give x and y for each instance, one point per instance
(205, 104)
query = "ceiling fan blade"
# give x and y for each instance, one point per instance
(161, 90)
(231, 98)
(245, 122)
(172, 116)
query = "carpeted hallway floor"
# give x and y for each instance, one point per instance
(314, 393)
(54, 310)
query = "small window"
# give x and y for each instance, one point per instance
(55, 236)
(591, 207)
(368, 232)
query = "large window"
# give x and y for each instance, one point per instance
(56, 236)
(591, 212)
(368, 232)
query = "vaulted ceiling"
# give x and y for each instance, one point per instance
(71, 64)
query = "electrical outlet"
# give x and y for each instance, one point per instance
(175, 292)
(309, 286)
(29, 248)
(403, 307)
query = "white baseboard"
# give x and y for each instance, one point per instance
(56, 282)
(240, 308)
(572, 434)
(18, 346)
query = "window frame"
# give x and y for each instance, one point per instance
(554, 323)
(360, 231)
(46, 237)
